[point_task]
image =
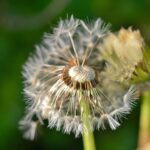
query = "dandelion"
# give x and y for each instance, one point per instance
(70, 67)
(124, 53)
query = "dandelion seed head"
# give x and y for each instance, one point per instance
(124, 52)
(72, 61)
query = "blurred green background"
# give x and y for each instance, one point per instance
(22, 24)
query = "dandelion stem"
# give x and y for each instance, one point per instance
(88, 137)
(144, 130)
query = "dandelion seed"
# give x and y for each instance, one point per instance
(29, 128)
(68, 63)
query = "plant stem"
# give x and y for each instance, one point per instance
(88, 137)
(144, 130)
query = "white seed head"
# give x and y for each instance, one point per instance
(69, 62)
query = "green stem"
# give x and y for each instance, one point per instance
(88, 137)
(144, 130)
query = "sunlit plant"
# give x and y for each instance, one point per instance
(82, 78)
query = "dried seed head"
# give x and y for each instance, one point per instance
(70, 62)
(123, 51)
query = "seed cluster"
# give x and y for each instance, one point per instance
(70, 62)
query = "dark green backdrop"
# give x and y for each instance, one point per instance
(22, 23)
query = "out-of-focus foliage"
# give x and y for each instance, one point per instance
(22, 24)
